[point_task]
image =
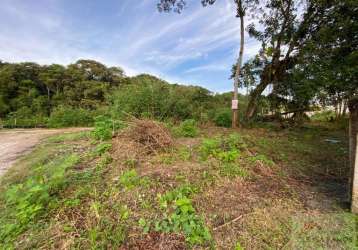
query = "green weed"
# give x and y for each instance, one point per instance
(187, 128)
(233, 170)
(102, 148)
(33, 197)
(69, 137)
(105, 128)
(130, 179)
(261, 158)
(185, 153)
(183, 217)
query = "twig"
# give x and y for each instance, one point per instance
(229, 222)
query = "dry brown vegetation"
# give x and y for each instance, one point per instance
(261, 193)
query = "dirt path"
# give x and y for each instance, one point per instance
(18, 142)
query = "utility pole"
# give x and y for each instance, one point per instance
(353, 154)
(235, 102)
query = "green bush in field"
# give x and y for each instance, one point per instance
(226, 149)
(223, 118)
(188, 128)
(64, 116)
(180, 217)
(103, 128)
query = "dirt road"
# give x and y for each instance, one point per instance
(17, 142)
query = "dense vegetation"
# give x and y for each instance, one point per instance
(57, 96)
(308, 53)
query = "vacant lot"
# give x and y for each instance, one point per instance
(259, 188)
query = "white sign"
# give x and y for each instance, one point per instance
(234, 104)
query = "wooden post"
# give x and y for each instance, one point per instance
(353, 154)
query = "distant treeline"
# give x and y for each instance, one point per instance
(33, 95)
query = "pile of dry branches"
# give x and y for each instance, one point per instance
(153, 136)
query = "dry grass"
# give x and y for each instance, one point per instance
(262, 211)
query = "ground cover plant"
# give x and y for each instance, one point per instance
(258, 188)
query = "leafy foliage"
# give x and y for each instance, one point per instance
(65, 116)
(183, 218)
(223, 118)
(37, 194)
(104, 128)
(187, 128)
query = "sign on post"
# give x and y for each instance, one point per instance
(234, 104)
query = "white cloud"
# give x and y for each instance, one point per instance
(139, 39)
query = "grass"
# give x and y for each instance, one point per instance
(256, 188)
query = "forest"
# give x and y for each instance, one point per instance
(32, 95)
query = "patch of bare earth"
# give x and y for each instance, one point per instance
(15, 143)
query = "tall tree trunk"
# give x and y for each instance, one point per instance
(240, 13)
(254, 97)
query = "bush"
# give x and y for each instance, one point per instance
(223, 118)
(103, 128)
(187, 128)
(324, 116)
(64, 116)
(24, 118)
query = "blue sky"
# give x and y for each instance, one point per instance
(196, 47)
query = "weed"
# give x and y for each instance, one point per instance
(261, 158)
(238, 246)
(179, 216)
(31, 198)
(170, 196)
(187, 128)
(228, 156)
(166, 158)
(102, 148)
(130, 179)
(232, 170)
(209, 147)
(105, 127)
(208, 178)
(185, 153)
(225, 149)
(131, 163)
(235, 140)
(68, 137)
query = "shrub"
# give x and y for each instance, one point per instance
(64, 116)
(188, 128)
(24, 118)
(105, 127)
(223, 118)
(209, 147)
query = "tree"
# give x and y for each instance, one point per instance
(242, 5)
(324, 66)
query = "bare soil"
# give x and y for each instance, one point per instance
(15, 143)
